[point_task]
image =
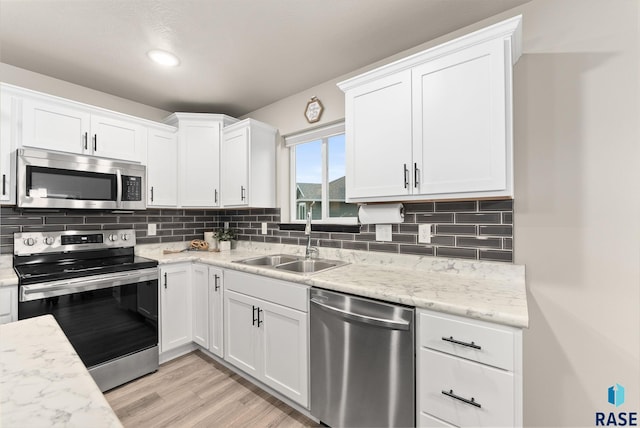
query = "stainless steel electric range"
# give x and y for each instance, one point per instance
(104, 297)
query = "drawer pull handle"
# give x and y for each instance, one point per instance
(472, 402)
(457, 342)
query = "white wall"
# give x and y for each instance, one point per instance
(49, 85)
(577, 164)
(577, 206)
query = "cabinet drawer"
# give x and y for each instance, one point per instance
(472, 339)
(428, 421)
(492, 391)
(292, 295)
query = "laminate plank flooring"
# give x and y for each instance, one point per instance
(195, 391)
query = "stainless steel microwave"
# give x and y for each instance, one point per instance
(57, 180)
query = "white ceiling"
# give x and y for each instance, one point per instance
(237, 55)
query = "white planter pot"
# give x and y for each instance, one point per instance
(224, 245)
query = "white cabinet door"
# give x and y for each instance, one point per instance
(248, 164)
(266, 339)
(459, 111)
(162, 168)
(55, 126)
(378, 138)
(199, 165)
(8, 304)
(216, 320)
(234, 166)
(284, 351)
(176, 306)
(241, 334)
(118, 139)
(200, 290)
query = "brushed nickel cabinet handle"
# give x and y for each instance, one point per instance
(450, 339)
(472, 401)
(406, 177)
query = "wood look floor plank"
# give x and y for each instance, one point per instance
(195, 391)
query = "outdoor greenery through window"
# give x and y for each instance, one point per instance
(318, 172)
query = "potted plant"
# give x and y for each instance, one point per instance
(224, 237)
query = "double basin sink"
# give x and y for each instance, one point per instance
(289, 263)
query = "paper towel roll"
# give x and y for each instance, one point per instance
(381, 214)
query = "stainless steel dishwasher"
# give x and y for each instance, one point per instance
(362, 361)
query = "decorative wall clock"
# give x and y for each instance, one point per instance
(313, 110)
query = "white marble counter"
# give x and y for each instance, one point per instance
(488, 291)
(7, 274)
(43, 382)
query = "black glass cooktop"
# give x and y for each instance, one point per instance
(45, 269)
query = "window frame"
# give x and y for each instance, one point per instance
(323, 134)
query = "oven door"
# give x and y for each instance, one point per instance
(105, 317)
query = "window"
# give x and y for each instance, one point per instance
(318, 176)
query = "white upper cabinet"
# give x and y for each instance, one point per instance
(199, 157)
(437, 124)
(118, 138)
(378, 130)
(162, 167)
(248, 165)
(460, 122)
(55, 126)
(9, 129)
(53, 123)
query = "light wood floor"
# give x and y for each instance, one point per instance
(195, 391)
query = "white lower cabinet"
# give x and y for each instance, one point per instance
(8, 304)
(216, 320)
(469, 372)
(176, 306)
(207, 285)
(200, 318)
(268, 340)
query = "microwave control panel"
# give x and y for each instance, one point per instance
(131, 188)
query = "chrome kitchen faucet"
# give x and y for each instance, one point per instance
(310, 252)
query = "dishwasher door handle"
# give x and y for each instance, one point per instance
(365, 319)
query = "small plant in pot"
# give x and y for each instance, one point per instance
(224, 237)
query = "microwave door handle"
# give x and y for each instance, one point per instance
(118, 189)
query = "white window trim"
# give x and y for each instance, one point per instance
(323, 133)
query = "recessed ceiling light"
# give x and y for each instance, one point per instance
(163, 58)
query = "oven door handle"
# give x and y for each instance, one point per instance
(77, 285)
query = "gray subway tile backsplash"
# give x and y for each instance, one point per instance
(480, 230)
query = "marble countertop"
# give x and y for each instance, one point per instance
(488, 291)
(43, 382)
(7, 274)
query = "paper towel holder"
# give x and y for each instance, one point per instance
(381, 213)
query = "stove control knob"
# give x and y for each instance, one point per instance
(113, 237)
(125, 236)
(49, 240)
(29, 242)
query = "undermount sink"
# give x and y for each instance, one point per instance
(308, 266)
(295, 264)
(272, 260)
